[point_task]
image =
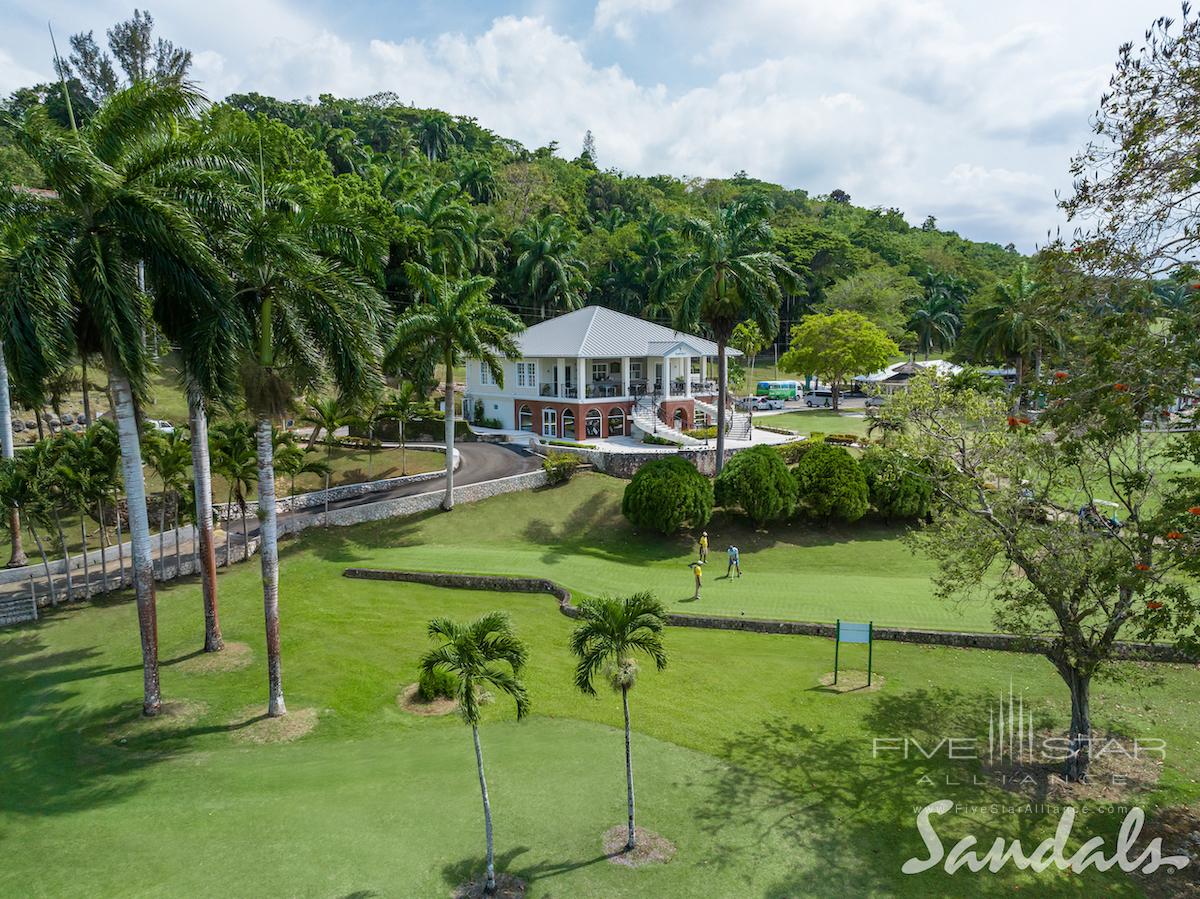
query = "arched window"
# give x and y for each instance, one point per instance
(591, 424)
(568, 424)
(680, 419)
(616, 421)
(524, 419)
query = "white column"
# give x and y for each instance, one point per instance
(560, 375)
(687, 375)
(703, 368)
(580, 382)
(624, 376)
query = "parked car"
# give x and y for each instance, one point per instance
(763, 403)
(875, 401)
(818, 398)
(160, 425)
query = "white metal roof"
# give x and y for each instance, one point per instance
(596, 331)
(941, 366)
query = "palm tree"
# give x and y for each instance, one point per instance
(17, 558)
(21, 485)
(115, 246)
(292, 460)
(81, 468)
(202, 514)
(610, 630)
(404, 406)
(327, 415)
(453, 320)
(446, 220)
(168, 456)
(313, 317)
(934, 320)
(234, 460)
(730, 276)
(484, 653)
(548, 269)
(436, 132)
(478, 179)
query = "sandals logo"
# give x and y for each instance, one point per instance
(1051, 851)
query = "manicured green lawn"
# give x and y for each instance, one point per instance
(577, 536)
(820, 421)
(765, 783)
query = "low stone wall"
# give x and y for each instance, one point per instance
(316, 498)
(1153, 652)
(625, 465)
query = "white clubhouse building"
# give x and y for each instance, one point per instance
(596, 373)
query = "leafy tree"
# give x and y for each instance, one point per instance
(836, 346)
(609, 632)
(881, 293)
(665, 494)
(1008, 489)
(830, 484)
(436, 133)
(894, 490)
(137, 53)
(453, 321)
(758, 481)
(484, 653)
(730, 277)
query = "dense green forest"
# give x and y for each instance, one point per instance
(558, 232)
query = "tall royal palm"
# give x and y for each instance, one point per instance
(609, 632)
(116, 251)
(485, 653)
(548, 268)
(730, 276)
(314, 317)
(452, 321)
(934, 320)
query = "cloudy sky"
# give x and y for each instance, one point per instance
(965, 110)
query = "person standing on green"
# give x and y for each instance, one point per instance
(704, 546)
(735, 563)
(698, 570)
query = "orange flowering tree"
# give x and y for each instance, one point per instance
(1075, 524)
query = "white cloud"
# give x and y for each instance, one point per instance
(618, 15)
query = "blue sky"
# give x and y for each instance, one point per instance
(964, 110)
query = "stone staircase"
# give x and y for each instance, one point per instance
(645, 418)
(15, 609)
(737, 423)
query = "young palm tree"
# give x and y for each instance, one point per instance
(293, 461)
(446, 220)
(934, 320)
(730, 276)
(115, 246)
(168, 456)
(234, 460)
(484, 653)
(20, 485)
(404, 406)
(548, 269)
(452, 321)
(313, 317)
(610, 630)
(327, 415)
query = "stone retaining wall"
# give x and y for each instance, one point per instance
(1154, 652)
(626, 464)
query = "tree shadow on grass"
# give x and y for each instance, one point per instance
(846, 812)
(597, 529)
(468, 869)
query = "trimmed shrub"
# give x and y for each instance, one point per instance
(757, 481)
(709, 433)
(844, 439)
(437, 684)
(793, 452)
(831, 484)
(655, 440)
(894, 490)
(559, 467)
(666, 494)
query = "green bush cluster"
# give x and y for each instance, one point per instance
(757, 481)
(437, 684)
(666, 494)
(655, 440)
(895, 487)
(709, 433)
(831, 484)
(559, 467)
(793, 452)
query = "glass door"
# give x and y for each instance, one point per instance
(549, 423)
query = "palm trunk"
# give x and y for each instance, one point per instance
(631, 841)
(403, 452)
(228, 525)
(269, 551)
(245, 534)
(87, 393)
(370, 449)
(206, 551)
(175, 510)
(45, 564)
(37, 417)
(62, 543)
(87, 578)
(103, 545)
(328, 475)
(139, 534)
(490, 886)
(162, 533)
(722, 399)
(120, 541)
(18, 557)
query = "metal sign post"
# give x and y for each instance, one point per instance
(854, 632)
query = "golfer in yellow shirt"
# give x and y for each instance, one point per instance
(704, 546)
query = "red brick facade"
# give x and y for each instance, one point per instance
(580, 410)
